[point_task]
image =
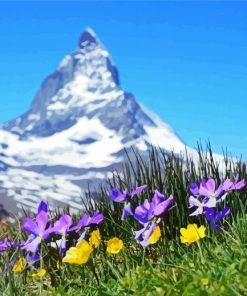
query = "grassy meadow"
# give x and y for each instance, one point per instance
(214, 263)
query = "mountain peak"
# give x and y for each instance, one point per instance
(76, 132)
(88, 37)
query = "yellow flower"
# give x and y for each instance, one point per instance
(204, 281)
(155, 235)
(192, 233)
(114, 245)
(79, 254)
(95, 238)
(37, 276)
(19, 265)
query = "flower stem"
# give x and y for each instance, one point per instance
(143, 256)
(200, 250)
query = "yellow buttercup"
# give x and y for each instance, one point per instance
(79, 254)
(192, 233)
(114, 245)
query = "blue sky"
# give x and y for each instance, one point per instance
(187, 61)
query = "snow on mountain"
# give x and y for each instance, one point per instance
(75, 131)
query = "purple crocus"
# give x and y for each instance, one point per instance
(214, 217)
(62, 227)
(150, 214)
(87, 221)
(125, 197)
(37, 229)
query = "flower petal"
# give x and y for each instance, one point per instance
(197, 212)
(126, 211)
(162, 207)
(146, 235)
(63, 245)
(219, 191)
(138, 233)
(201, 231)
(96, 219)
(30, 226)
(82, 236)
(194, 189)
(211, 203)
(225, 212)
(43, 207)
(210, 184)
(215, 227)
(157, 198)
(209, 214)
(33, 258)
(32, 246)
(47, 232)
(118, 196)
(183, 231)
(227, 184)
(83, 222)
(222, 198)
(194, 202)
(141, 214)
(138, 190)
(204, 191)
(41, 221)
(239, 185)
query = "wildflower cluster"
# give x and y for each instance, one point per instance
(76, 241)
(57, 234)
(149, 214)
(207, 198)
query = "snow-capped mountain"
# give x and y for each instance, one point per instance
(75, 131)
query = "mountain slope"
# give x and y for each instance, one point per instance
(76, 130)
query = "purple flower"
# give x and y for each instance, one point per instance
(156, 208)
(211, 195)
(37, 230)
(14, 245)
(208, 190)
(87, 221)
(142, 235)
(119, 196)
(150, 214)
(42, 207)
(125, 197)
(214, 217)
(33, 258)
(194, 202)
(228, 185)
(62, 227)
(5, 244)
(127, 211)
(194, 189)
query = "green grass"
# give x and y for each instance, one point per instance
(217, 265)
